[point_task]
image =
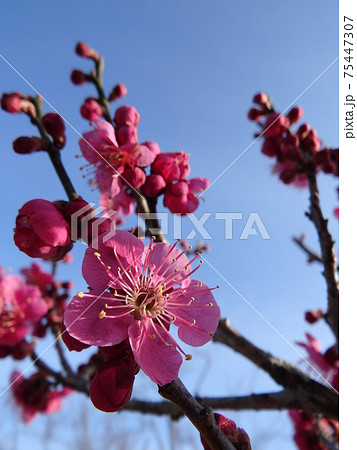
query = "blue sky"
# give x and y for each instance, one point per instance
(191, 69)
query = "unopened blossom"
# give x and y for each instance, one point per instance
(237, 436)
(118, 91)
(41, 231)
(82, 49)
(21, 306)
(15, 103)
(35, 395)
(181, 196)
(91, 109)
(154, 185)
(112, 384)
(78, 77)
(54, 125)
(139, 292)
(36, 276)
(171, 166)
(275, 125)
(25, 145)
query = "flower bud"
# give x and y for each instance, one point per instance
(261, 99)
(255, 114)
(15, 103)
(313, 315)
(275, 125)
(54, 125)
(91, 110)
(118, 91)
(127, 115)
(154, 185)
(294, 115)
(25, 144)
(41, 231)
(78, 77)
(82, 49)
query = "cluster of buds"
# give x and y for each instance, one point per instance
(296, 152)
(50, 125)
(92, 108)
(168, 176)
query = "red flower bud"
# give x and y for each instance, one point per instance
(91, 109)
(24, 144)
(255, 114)
(41, 231)
(261, 99)
(275, 125)
(237, 436)
(313, 315)
(118, 91)
(154, 185)
(15, 103)
(82, 49)
(271, 147)
(78, 77)
(294, 115)
(54, 125)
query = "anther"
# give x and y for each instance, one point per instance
(102, 314)
(153, 336)
(188, 357)
(96, 254)
(80, 294)
(210, 304)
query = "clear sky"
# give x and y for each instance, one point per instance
(191, 69)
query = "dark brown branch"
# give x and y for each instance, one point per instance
(147, 205)
(284, 400)
(311, 394)
(73, 381)
(97, 79)
(328, 255)
(53, 152)
(202, 418)
(312, 256)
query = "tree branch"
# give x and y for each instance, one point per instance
(328, 255)
(311, 394)
(202, 418)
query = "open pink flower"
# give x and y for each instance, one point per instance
(21, 306)
(171, 166)
(34, 395)
(139, 292)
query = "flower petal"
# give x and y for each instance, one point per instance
(198, 319)
(154, 352)
(82, 319)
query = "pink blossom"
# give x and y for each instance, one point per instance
(36, 276)
(41, 231)
(78, 77)
(171, 166)
(294, 115)
(326, 363)
(35, 395)
(21, 306)
(180, 197)
(138, 292)
(101, 148)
